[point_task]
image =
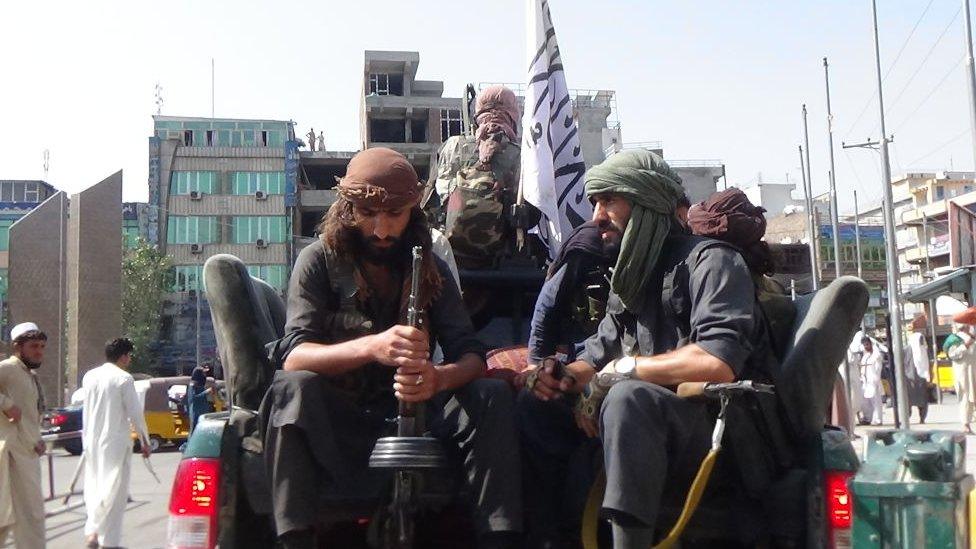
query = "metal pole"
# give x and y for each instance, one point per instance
(891, 246)
(814, 251)
(811, 226)
(925, 241)
(199, 294)
(970, 74)
(934, 348)
(857, 237)
(833, 184)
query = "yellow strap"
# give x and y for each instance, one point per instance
(591, 513)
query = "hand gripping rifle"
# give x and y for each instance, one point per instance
(409, 452)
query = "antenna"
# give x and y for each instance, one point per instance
(211, 87)
(47, 162)
(159, 98)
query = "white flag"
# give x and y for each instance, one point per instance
(552, 162)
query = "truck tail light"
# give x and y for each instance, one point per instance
(840, 508)
(193, 505)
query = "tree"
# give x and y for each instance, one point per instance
(146, 277)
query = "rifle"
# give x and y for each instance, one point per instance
(409, 452)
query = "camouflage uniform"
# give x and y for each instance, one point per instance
(475, 204)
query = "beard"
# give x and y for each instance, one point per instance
(611, 238)
(30, 365)
(368, 249)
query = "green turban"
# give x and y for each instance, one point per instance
(653, 189)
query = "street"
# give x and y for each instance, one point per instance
(145, 517)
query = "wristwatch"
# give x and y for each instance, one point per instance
(626, 366)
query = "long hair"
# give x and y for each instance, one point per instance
(337, 233)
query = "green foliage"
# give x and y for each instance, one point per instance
(147, 275)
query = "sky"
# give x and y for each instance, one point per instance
(710, 79)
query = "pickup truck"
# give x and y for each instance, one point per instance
(220, 496)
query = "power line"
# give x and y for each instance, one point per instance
(926, 58)
(890, 67)
(934, 89)
(940, 147)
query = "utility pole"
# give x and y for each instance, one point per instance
(891, 246)
(811, 220)
(833, 184)
(857, 237)
(811, 226)
(970, 74)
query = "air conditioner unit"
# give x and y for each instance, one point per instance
(196, 248)
(196, 195)
(262, 243)
(261, 195)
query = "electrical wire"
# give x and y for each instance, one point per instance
(940, 147)
(890, 67)
(934, 89)
(925, 59)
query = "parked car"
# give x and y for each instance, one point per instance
(64, 420)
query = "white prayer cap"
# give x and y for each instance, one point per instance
(22, 329)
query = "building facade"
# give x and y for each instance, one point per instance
(17, 198)
(217, 186)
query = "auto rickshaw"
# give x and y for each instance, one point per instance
(166, 417)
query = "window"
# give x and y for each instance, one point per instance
(188, 138)
(32, 192)
(5, 234)
(451, 123)
(187, 182)
(379, 84)
(130, 237)
(270, 228)
(211, 137)
(388, 130)
(418, 131)
(248, 183)
(274, 275)
(939, 192)
(192, 230)
(187, 278)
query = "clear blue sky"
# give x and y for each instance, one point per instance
(712, 79)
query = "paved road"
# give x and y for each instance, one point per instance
(145, 517)
(941, 417)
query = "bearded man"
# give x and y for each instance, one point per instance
(21, 404)
(349, 356)
(681, 308)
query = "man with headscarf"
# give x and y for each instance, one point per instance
(21, 404)
(570, 305)
(916, 364)
(961, 351)
(682, 308)
(477, 182)
(198, 396)
(348, 357)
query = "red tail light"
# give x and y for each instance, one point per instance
(840, 507)
(193, 504)
(58, 419)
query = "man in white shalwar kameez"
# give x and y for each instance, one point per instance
(871, 365)
(111, 409)
(21, 502)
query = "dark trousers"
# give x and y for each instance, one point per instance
(559, 466)
(318, 441)
(653, 444)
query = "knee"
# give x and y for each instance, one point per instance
(492, 396)
(293, 381)
(628, 397)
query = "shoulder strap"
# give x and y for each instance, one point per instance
(343, 282)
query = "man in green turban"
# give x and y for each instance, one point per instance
(682, 308)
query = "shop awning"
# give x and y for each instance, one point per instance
(958, 281)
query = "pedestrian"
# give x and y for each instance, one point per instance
(916, 365)
(199, 396)
(21, 502)
(111, 411)
(871, 364)
(960, 349)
